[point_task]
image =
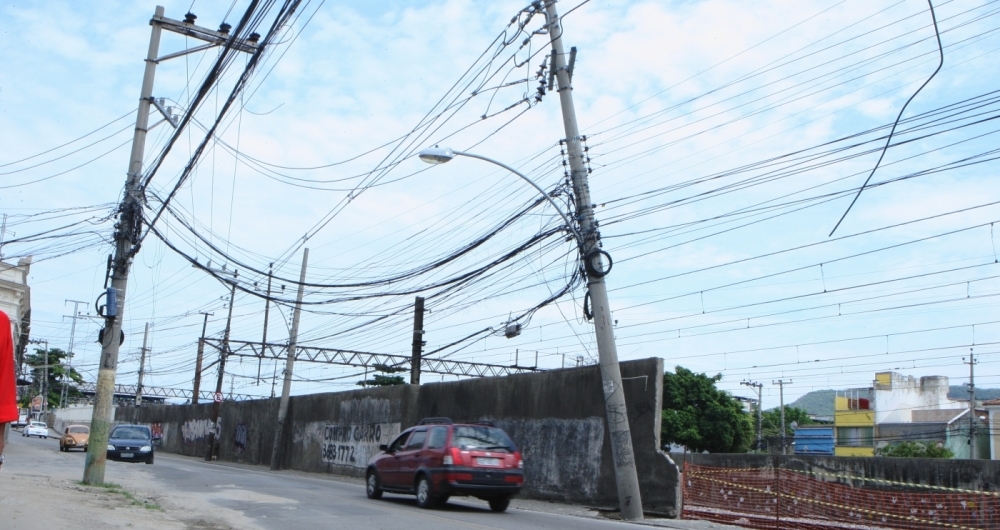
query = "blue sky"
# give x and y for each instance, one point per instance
(691, 109)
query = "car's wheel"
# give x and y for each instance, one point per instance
(85, 448)
(500, 505)
(372, 487)
(150, 461)
(424, 497)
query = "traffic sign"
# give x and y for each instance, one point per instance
(218, 397)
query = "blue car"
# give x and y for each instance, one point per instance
(131, 443)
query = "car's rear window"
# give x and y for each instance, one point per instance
(476, 437)
(130, 433)
(37, 424)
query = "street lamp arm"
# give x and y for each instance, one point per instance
(569, 223)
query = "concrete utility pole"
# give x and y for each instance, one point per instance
(758, 387)
(130, 224)
(418, 340)
(972, 403)
(781, 393)
(286, 386)
(626, 477)
(223, 353)
(199, 359)
(64, 394)
(142, 365)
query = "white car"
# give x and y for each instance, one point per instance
(36, 428)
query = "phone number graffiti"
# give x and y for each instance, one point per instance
(354, 444)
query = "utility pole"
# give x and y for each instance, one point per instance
(64, 394)
(972, 403)
(142, 365)
(223, 353)
(781, 393)
(43, 387)
(758, 387)
(267, 309)
(626, 477)
(197, 363)
(418, 340)
(129, 225)
(286, 386)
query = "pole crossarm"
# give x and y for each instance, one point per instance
(366, 359)
(212, 37)
(128, 391)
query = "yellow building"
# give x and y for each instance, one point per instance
(854, 423)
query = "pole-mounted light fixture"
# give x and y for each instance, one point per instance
(440, 155)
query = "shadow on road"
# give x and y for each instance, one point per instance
(447, 507)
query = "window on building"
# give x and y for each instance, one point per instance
(856, 436)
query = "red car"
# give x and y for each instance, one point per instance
(438, 459)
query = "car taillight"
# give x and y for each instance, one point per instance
(520, 462)
(453, 457)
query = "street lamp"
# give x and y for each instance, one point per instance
(440, 155)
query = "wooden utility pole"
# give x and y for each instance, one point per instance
(223, 353)
(267, 310)
(196, 387)
(418, 340)
(286, 387)
(142, 365)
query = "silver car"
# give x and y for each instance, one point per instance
(36, 428)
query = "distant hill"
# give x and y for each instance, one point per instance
(982, 394)
(820, 402)
(816, 403)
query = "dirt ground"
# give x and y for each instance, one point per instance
(40, 488)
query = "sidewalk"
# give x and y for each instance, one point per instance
(40, 488)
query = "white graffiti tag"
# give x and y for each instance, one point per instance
(196, 429)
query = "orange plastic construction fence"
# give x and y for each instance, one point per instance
(781, 498)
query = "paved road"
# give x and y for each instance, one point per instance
(295, 500)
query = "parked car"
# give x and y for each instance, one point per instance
(36, 428)
(131, 443)
(22, 419)
(438, 458)
(74, 437)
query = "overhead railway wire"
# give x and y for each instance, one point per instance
(777, 63)
(804, 160)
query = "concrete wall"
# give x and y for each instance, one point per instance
(978, 475)
(556, 417)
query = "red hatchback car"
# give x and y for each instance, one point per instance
(438, 459)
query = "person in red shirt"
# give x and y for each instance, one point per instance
(8, 385)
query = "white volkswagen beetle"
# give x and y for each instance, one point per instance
(36, 428)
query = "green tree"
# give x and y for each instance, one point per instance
(772, 420)
(915, 450)
(59, 375)
(385, 380)
(701, 417)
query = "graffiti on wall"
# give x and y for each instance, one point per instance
(157, 430)
(354, 444)
(362, 425)
(197, 429)
(240, 438)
